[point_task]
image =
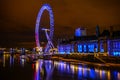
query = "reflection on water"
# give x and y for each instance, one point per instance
(23, 69)
(43, 70)
(49, 70)
(22, 61)
(15, 68)
(3, 60)
(11, 61)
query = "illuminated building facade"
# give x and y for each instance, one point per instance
(105, 43)
(114, 47)
(80, 32)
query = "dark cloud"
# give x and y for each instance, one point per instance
(18, 17)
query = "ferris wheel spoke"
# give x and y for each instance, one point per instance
(51, 30)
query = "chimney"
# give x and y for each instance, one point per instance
(111, 30)
(97, 31)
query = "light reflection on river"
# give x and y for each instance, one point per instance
(55, 70)
(16, 68)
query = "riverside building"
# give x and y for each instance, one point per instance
(106, 42)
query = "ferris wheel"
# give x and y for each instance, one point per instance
(48, 32)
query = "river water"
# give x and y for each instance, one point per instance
(15, 68)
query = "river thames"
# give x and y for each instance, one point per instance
(16, 68)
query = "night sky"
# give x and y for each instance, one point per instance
(18, 18)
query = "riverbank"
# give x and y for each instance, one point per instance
(107, 61)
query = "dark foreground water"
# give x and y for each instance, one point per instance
(14, 68)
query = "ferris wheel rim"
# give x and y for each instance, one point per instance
(38, 20)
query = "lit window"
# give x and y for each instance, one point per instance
(85, 48)
(79, 48)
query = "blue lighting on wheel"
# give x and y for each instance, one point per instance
(38, 23)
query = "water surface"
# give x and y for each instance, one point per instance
(15, 68)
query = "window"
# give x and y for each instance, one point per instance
(79, 48)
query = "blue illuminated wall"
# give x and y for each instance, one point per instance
(88, 47)
(80, 48)
(114, 47)
(101, 46)
(93, 47)
(61, 49)
(80, 32)
(72, 48)
(108, 43)
(66, 49)
(77, 32)
(84, 48)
